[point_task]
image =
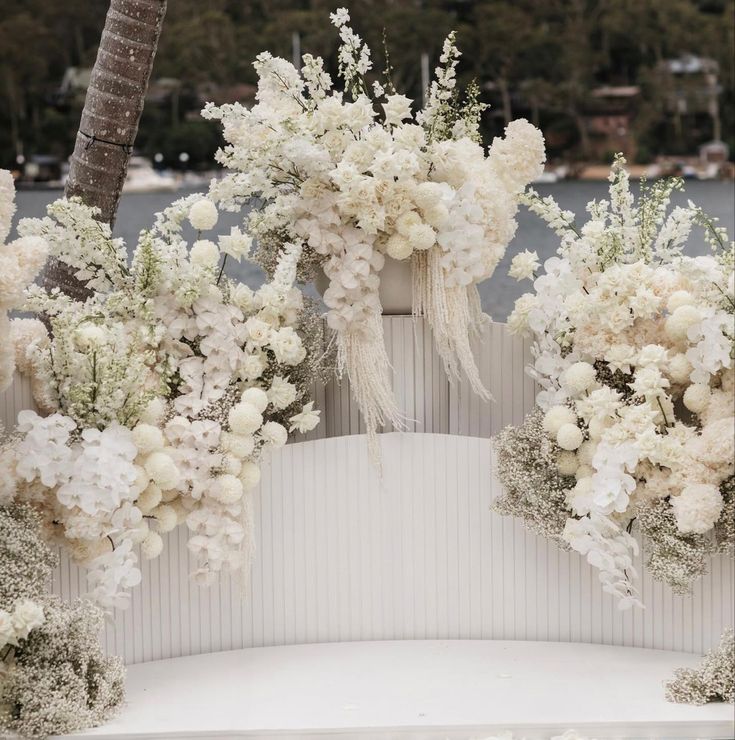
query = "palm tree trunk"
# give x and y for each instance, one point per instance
(111, 115)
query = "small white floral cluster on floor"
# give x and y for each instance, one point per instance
(633, 347)
(568, 735)
(360, 176)
(160, 393)
(20, 262)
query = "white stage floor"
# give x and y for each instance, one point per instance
(414, 689)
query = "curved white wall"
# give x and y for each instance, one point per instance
(344, 556)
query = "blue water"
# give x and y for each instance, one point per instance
(498, 293)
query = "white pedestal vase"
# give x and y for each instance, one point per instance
(395, 287)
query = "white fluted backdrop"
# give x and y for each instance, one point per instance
(345, 556)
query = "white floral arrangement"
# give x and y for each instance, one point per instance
(157, 395)
(20, 262)
(633, 350)
(355, 185)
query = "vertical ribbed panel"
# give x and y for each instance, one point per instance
(343, 557)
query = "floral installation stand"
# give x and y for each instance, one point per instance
(352, 191)
(633, 350)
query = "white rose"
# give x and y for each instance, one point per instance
(203, 215)
(236, 244)
(697, 508)
(397, 108)
(524, 265)
(287, 347)
(244, 298)
(258, 331)
(27, 615)
(252, 366)
(281, 393)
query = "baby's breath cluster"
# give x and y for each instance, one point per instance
(713, 680)
(633, 350)
(54, 678)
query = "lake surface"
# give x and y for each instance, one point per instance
(498, 293)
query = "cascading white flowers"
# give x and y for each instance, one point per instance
(356, 179)
(20, 262)
(157, 395)
(633, 346)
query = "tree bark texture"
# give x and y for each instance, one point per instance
(111, 115)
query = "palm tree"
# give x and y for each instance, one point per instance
(111, 115)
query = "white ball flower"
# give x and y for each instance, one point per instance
(556, 417)
(165, 517)
(274, 434)
(249, 475)
(228, 489)
(597, 427)
(203, 215)
(679, 298)
(677, 325)
(586, 452)
(567, 463)
(204, 253)
(406, 221)
(148, 438)
(239, 445)
(569, 437)
(257, 397)
(427, 195)
(162, 470)
(152, 546)
(679, 368)
(398, 247)
(421, 237)
(244, 418)
(697, 508)
(578, 378)
(149, 499)
(696, 397)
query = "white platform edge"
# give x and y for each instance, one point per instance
(420, 689)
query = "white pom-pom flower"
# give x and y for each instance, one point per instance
(244, 418)
(162, 470)
(578, 378)
(569, 437)
(148, 438)
(249, 475)
(556, 417)
(696, 397)
(257, 397)
(274, 434)
(203, 215)
(204, 253)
